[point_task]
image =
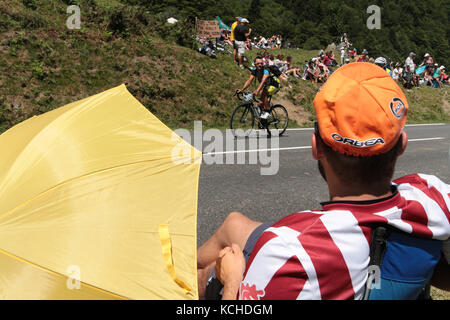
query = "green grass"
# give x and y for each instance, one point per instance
(44, 65)
(437, 294)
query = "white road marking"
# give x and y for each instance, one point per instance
(296, 148)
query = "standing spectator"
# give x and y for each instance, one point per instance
(427, 60)
(345, 41)
(232, 38)
(342, 55)
(410, 68)
(241, 33)
(353, 53)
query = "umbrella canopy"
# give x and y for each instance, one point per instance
(98, 200)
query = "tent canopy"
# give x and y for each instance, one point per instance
(222, 25)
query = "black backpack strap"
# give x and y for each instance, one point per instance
(380, 236)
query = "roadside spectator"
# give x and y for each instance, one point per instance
(342, 55)
(248, 44)
(279, 39)
(241, 33)
(436, 79)
(364, 57)
(345, 42)
(310, 71)
(443, 77)
(225, 37)
(281, 63)
(291, 69)
(397, 73)
(330, 55)
(326, 59)
(262, 43)
(409, 73)
(321, 52)
(353, 53)
(232, 38)
(427, 60)
(428, 75)
(323, 71)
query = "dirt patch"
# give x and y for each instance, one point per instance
(295, 112)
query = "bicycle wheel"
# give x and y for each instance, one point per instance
(242, 120)
(279, 121)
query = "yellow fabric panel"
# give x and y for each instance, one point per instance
(88, 186)
(22, 280)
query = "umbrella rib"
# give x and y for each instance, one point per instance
(60, 274)
(76, 178)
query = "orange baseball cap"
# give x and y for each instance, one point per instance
(360, 110)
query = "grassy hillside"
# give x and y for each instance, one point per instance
(45, 65)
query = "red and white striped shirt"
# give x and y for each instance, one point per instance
(325, 254)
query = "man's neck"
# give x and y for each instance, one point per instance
(348, 193)
(361, 197)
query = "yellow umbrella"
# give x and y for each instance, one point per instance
(98, 200)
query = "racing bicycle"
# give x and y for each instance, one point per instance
(247, 116)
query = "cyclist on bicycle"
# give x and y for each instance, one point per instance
(269, 84)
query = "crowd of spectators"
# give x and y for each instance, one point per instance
(319, 68)
(428, 72)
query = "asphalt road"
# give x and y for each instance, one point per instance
(267, 186)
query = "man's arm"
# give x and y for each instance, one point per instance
(249, 32)
(247, 83)
(261, 85)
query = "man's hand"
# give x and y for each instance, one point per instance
(230, 267)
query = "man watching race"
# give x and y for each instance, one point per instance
(269, 84)
(325, 254)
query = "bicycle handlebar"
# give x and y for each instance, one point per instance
(241, 93)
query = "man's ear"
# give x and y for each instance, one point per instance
(317, 150)
(404, 142)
